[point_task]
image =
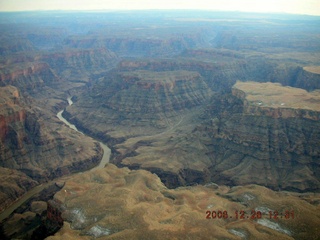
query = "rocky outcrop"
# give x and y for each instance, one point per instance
(11, 45)
(258, 37)
(165, 91)
(54, 212)
(132, 100)
(135, 204)
(237, 141)
(37, 147)
(13, 185)
(28, 76)
(219, 72)
(188, 152)
(307, 79)
(276, 101)
(138, 46)
(80, 65)
(270, 146)
(35, 73)
(221, 69)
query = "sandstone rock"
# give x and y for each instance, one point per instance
(28, 76)
(135, 204)
(135, 100)
(273, 100)
(38, 207)
(309, 78)
(13, 185)
(60, 184)
(21, 226)
(237, 146)
(37, 147)
(280, 151)
(78, 65)
(137, 46)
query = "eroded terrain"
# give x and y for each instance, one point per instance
(207, 112)
(136, 204)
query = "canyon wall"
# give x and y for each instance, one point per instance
(138, 103)
(28, 76)
(275, 146)
(37, 147)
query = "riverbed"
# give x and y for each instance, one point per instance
(106, 150)
(105, 159)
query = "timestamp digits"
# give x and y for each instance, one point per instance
(223, 214)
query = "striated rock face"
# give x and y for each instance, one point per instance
(136, 205)
(78, 65)
(146, 92)
(273, 100)
(37, 145)
(132, 100)
(238, 140)
(13, 45)
(34, 73)
(54, 211)
(137, 46)
(309, 77)
(221, 68)
(28, 76)
(271, 145)
(13, 185)
(159, 126)
(218, 71)
(11, 111)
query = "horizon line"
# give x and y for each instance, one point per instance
(156, 9)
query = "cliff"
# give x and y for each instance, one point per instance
(13, 185)
(309, 77)
(28, 76)
(173, 128)
(80, 65)
(135, 45)
(274, 100)
(139, 99)
(262, 134)
(221, 68)
(37, 145)
(264, 141)
(11, 45)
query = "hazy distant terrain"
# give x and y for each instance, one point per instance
(227, 100)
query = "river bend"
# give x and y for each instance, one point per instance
(105, 159)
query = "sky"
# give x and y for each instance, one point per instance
(309, 7)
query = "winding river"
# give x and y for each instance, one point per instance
(106, 150)
(105, 159)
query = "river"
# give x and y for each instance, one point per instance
(105, 159)
(106, 150)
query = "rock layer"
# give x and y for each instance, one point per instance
(40, 148)
(232, 145)
(132, 100)
(78, 65)
(273, 100)
(13, 184)
(28, 76)
(257, 145)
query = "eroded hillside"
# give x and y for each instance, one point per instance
(209, 102)
(135, 204)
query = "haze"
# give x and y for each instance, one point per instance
(310, 7)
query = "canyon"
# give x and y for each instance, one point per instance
(200, 113)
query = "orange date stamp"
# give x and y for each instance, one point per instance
(220, 214)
